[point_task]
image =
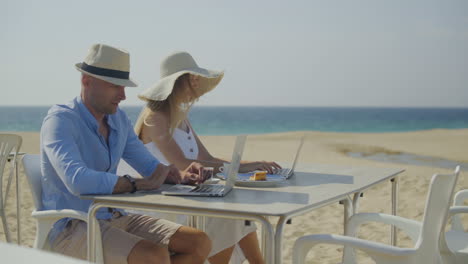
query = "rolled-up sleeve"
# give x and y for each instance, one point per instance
(137, 156)
(60, 145)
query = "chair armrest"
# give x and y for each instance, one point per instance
(46, 219)
(59, 214)
(460, 197)
(410, 227)
(454, 210)
(456, 220)
(375, 250)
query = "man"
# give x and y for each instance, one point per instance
(81, 145)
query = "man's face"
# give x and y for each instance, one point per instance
(103, 97)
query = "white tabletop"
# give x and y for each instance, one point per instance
(311, 187)
(10, 253)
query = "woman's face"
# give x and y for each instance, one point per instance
(194, 81)
(191, 87)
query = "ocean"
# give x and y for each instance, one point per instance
(215, 120)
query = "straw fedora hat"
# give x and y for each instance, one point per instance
(174, 66)
(108, 64)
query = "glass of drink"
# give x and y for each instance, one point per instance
(208, 173)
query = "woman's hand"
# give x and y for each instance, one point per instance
(268, 166)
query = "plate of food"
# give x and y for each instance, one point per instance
(256, 179)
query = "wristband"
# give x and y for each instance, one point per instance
(132, 182)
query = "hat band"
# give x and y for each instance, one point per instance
(105, 72)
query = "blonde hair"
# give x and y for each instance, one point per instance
(176, 105)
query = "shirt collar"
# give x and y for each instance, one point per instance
(90, 119)
(111, 121)
(86, 114)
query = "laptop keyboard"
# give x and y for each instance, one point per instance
(208, 189)
(283, 172)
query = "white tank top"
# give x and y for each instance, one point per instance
(185, 140)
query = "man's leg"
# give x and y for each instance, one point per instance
(120, 247)
(148, 252)
(189, 245)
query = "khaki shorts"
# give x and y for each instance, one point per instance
(119, 236)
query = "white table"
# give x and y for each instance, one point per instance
(15, 254)
(312, 186)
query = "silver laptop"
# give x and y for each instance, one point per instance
(288, 172)
(214, 190)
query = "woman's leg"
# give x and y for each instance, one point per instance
(251, 248)
(222, 257)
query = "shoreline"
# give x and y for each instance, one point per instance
(284, 132)
(352, 144)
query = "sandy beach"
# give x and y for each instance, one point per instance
(320, 148)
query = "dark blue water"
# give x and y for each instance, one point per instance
(254, 120)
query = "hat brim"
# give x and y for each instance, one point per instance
(163, 88)
(116, 81)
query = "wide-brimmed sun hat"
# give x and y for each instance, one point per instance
(174, 66)
(108, 64)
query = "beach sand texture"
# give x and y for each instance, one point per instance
(321, 148)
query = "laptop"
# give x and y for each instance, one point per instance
(288, 172)
(214, 190)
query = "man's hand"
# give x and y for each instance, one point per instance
(193, 174)
(174, 175)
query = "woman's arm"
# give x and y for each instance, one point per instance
(158, 132)
(246, 166)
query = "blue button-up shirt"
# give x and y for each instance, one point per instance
(77, 160)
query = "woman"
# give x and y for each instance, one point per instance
(164, 129)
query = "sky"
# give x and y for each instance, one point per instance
(373, 53)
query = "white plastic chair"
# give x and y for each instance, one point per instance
(45, 219)
(456, 237)
(426, 235)
(9, 143)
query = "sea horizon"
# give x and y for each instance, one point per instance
(231, 120)
(279, 106)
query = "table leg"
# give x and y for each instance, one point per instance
(192, 221)
(93, 240)
(347, 212)
(393, 237)
(268, 241)
(356, 197)
(279, 239)
(264, 239)
(201, 223)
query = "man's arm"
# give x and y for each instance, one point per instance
(160, 175)
(154, 181)
(59, 143)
